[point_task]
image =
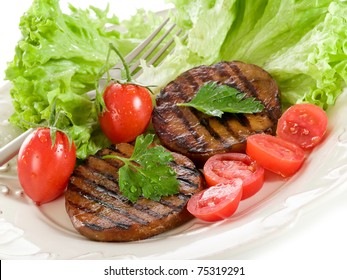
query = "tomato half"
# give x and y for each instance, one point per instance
(129, 109)
(303, 124)
(217, 202)
(223, 168)
(275, 154)
(44, 169)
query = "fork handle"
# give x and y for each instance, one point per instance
(10, 150)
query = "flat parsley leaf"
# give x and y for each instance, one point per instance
(214, 100)
(147, 172)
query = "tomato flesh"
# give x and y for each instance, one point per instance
(223, 168)
(217, 202)
(303, 124)
(128, 112)
(44, 169)
(275, 154)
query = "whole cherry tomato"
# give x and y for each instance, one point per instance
(44, 167)
(128, 112)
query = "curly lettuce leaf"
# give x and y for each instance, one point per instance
(59, 58)
(315, 68)
(302, 44)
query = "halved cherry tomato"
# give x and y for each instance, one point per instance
(217, 202)
(43, 168)
(275, 154)
(129, 109)
(222, 168)
(303, 124)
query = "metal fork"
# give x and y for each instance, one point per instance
(134, 58)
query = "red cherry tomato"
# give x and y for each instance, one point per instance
(303, 124)
(129, 109)
(223, 168)
(44, 169)
(217, 202)
(275, 154)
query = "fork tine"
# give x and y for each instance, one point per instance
(11, 149)
(163, 49)
(153, 47)
(159, 53)
(145, 43)
(115, 70)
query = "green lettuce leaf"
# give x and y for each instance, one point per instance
(302, 44)
(59, 58)
(315, 68)
(209, 22)
(299, 43)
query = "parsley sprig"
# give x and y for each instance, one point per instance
(147, 172)
(214, 100)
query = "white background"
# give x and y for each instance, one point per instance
(319, 234)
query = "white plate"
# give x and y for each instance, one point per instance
(45, 232)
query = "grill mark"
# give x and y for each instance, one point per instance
(186, 176)
(123, 199)
(183, 200)
(245, 82)
(95, 213)
(189, 136)
(225, 122)
(113, 194)
(101, 188)
(205, 122)
(110, 161)
(101, 173)
(186, 181)
(158, 115)
(223, 74)
(183, 168)
(93, 227)
(113, 150)
(155, 204)
(192, 79)
(242, 120)
(178, 93)
(198, 139)
(193, 171)
(146, 209)
(206, 74)
(126, 153)
(189, 79)
(123, 226)
(91, 197)
(177, 167)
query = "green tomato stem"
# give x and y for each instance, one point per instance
(125, 64)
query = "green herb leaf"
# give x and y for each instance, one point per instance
(214, 100)
(147, 172)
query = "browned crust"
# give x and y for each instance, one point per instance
(135, 233)
(99, 212)
(198, 136)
